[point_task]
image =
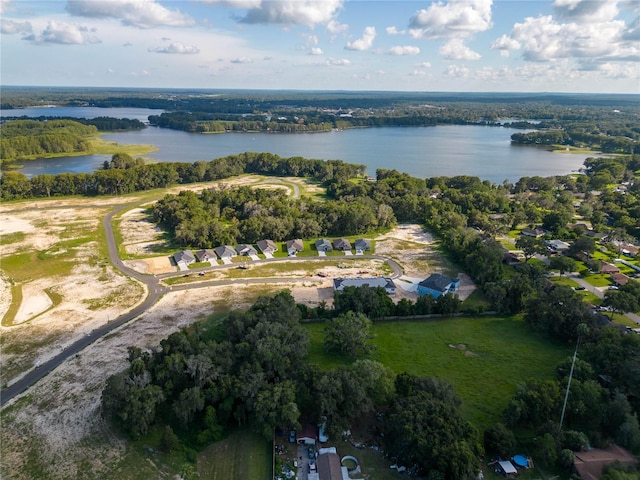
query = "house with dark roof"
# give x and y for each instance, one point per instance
(510, 258)
(329, 466)
(323, 245)
(589, 465)
(438, 284)
(267, 246)
(342, 244)
(206, 255)
(246, 250)
(184, 258)
(339, 284)
(294, 246)
(225, 252)
(362, 245)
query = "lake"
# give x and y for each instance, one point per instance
(485, 152)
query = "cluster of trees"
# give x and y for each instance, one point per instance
(252, 371)
(28, 137)
(23, 138)
(602, 142)
(245, 215)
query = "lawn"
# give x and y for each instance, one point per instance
(242, 455)
(485, 358)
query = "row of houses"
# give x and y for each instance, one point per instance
(268, 248)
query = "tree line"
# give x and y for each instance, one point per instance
(127, 176)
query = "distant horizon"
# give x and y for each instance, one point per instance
(527, 46)
(297, 90)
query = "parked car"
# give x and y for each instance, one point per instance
(312, 466)
(312, 453)
(292, 436)
(580, 288)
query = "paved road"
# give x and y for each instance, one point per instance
(154, 291)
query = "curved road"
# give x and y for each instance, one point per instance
(155, 291)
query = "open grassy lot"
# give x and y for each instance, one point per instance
(243, 455)
(485, 358)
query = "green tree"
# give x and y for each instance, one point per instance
(349, 334)
(562, 264)
(530, 246)
(498, 439)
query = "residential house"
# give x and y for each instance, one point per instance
(294, 246)
(225, 252)
(589, 465)
(619, 279)
(246, 250)
(308, 435)
(597, 235)
(362, 245)
(557, 246)
(206, 255)
(511, 259)
(340, 283)
(267, 246)
(608, 268)
(184, 258)
(532, 232)
(629, 249)
(323, 245)
(342, 244)
(329, 466)
(438, 284)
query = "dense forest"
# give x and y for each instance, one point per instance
(29, 137)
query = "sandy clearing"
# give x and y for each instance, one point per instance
(35, 302)
(13, 224)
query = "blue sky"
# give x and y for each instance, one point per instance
(447, 45)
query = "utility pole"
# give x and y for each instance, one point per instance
(582, 328)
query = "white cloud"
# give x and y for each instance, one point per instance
(286, 12)
(424, 65)
(505, 44)
(458, 18)
(418, 73)
(241, 60)
(404, 50)
(335, 27)
(316, 51)
(65, 34)
(586, 11)
(178, 48)
(365, 42)
(137, 13)
(455, 49)
(9, 27)
(457, 71)
(543, 39)
(3, 6)
(338, 61)
(392, 30)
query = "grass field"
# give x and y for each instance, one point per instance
(484, 358)
(243, 455)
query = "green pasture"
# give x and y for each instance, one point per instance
(485, 358)
(242, 455)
